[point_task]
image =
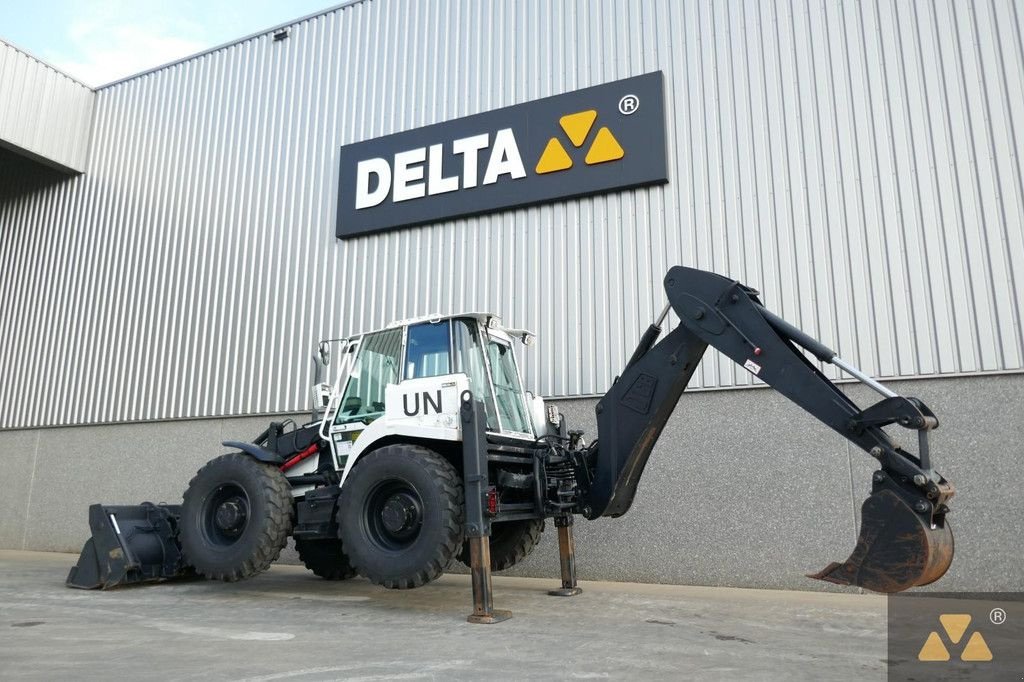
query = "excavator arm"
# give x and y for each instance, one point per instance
(904, 541)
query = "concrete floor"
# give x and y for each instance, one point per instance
(287, 624)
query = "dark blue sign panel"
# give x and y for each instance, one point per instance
(589, 141)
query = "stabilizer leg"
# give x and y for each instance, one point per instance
(567, 558)
(483, 595)
(478, 526)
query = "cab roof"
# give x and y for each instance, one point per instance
(485, 319)
(481, 317)
(489, 320)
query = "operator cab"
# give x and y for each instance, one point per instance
(474, 345)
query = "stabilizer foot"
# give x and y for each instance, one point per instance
(565, 592)
(495, 616)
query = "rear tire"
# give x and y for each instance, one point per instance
(236, 517)
(511, 542)
(400, 514)
(325, 558)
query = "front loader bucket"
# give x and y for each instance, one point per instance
(130, 545)
(897, 548)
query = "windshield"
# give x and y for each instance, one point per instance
(507, 391)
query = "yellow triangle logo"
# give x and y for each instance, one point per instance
(605, 148)
(554, 158)
(577, 125)
(933, 649)
(976, 649)
(955, 625)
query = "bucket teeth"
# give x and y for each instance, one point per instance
(897, 548)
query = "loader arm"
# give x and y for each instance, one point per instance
(904, 539)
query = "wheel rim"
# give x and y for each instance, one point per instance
(225, 515)
(393, 515)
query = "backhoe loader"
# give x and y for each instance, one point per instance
(426, 449)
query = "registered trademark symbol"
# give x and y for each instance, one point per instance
(629, 104)
(997, 616)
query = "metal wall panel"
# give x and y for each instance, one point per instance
(858, 162)
(43, 111)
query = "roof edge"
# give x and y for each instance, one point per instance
(230, 43)
(46, 64)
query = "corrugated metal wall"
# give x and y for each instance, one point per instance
(43, 111)
(859, 162)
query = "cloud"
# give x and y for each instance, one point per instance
(105, 40)
(116, 39)
(129, 53)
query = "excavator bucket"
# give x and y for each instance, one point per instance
(898, 548)
(129, 545)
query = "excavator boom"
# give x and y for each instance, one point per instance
(904, 540)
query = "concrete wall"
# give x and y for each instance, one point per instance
(744, 489)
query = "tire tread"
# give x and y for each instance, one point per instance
(450, 484)
(328, 567)
(276, 491)
(505, 555)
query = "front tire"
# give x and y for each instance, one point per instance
(236, 517)
(401, 515)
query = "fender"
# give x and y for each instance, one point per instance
(381, 429)
(255, 451)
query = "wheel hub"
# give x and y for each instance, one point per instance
(400, 514)
(231, 515)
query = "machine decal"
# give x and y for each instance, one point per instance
(638, 397)
(429, 403)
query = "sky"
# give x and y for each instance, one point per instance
(100, 41)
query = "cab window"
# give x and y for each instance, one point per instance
(428, 350)
(507, 391)
(376, 366)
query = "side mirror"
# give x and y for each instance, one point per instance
(325, 353)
